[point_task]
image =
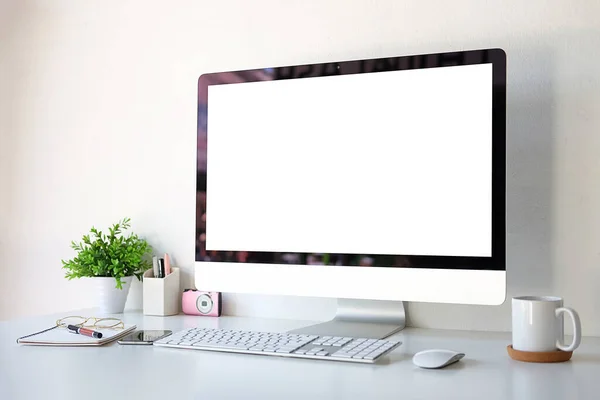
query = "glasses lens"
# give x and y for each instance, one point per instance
(107, 323)
(71, 321)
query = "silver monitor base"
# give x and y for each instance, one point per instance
(373, 319)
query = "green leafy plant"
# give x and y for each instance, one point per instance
(111, 254)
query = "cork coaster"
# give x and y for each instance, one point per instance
(539, 357)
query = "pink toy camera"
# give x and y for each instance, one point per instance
(195, 302)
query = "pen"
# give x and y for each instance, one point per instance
(167, 264)
(161, 268)
(155, 266)
(84, 331)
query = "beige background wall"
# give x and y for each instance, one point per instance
(98, 117)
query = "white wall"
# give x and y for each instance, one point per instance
(98, 119)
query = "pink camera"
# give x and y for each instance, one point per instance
(195, 302)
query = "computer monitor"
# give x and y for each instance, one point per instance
(379, 179)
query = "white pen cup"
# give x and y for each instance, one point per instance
(537, 324)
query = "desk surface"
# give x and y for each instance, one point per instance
(145, 372)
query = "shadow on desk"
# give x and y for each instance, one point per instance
(407, 358)
(465, 363)
(585, 358)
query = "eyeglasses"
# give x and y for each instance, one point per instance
(90, 322)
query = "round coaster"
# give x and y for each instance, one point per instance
(539, 357)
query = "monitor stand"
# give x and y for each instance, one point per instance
(373, 319)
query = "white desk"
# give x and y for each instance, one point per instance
(144, 372)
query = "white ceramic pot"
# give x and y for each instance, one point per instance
(111, 300)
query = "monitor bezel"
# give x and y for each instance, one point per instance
(497, 57)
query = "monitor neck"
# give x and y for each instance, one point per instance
(374, 319)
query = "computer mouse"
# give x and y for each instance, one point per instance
(436, 358)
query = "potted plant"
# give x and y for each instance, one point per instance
(111, 260)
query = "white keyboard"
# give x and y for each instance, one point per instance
(281, 344)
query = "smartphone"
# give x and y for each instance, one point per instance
(144, 337)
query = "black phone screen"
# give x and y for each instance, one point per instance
(145, 336)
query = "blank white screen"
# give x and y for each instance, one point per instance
(381, 163)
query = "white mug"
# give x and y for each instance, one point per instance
(537, 324)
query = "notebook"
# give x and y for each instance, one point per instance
(62, 337)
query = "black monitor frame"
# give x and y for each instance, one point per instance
(496, 57)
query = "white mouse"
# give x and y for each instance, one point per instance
(436, 358)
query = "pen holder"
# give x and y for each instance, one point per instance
(161, 295)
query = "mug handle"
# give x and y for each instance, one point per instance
(576, 329)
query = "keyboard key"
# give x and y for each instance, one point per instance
(283, 350)
(376, 353)
(342, 355)
(323, 353)
(234, 347)
(226, 346)
(300, 351)
(288, 349)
